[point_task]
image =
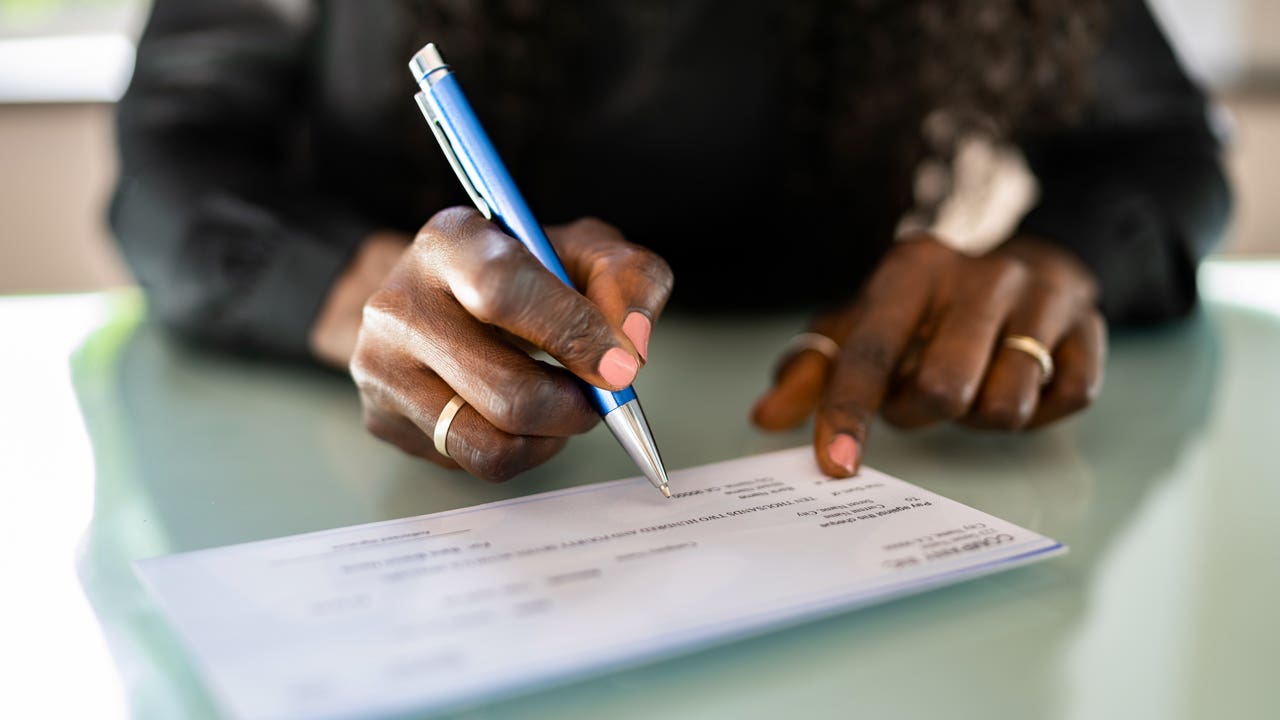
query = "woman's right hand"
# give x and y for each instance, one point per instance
(451, 315)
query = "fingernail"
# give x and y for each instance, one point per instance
(843, 451)
(618, 368)
(637, 327)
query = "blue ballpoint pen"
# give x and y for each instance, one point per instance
(486, 180)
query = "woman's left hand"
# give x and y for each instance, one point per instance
(924, 342)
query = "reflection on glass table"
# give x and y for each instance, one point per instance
(1164, 491)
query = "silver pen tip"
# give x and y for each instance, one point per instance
(628, 425)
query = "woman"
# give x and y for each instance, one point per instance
(275, 170)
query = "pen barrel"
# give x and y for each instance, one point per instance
(607, 401)
(480, 160)
(484, 167)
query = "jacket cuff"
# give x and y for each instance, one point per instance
(1130, 246)
(292, 284)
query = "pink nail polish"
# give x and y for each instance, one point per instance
(618, 368)
(637, 327)
(843, 451)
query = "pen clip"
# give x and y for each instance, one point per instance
(433, 121)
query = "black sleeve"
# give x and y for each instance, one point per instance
(1137, 189)
(213, 210)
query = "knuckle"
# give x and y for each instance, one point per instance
(867, 352)
(381, 311)
(641, 264)
(503, 460)
(376, 400)
(385, 430)
(396, 309)
(594, 226)
(391, 324)
(582, 339)
(657, 273)
(496, 286)
(362, 368)
(907, 261)
(941, 392)
(1005, 414)
(502, 253)
(1097, 327)
(1076, 393)
(429, 235)
(847, 415)
(661, 270)
(374, 423)
(921, 247)
(524, 404)
(368, 366)
(1004, 269)
(447, 223)
(905, 252)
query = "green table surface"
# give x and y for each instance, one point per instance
(118, 443)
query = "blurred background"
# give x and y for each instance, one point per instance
(64, 62)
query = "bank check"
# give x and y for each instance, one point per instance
(443, 611)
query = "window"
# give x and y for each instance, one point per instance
(67, 50)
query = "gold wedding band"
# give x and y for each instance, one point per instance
(450, 411)
(1037, 350)
(812, 341)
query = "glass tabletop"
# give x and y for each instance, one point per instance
(121, 443)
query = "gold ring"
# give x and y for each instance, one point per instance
(817, 342)
(450, 411)
(1037, 350)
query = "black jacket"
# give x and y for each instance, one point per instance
(261, 140)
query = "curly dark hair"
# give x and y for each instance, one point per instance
(891, 84)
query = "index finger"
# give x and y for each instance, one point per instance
(893, 306)
(501, 283)
(629, 283)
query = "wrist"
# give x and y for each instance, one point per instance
(333, 333)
